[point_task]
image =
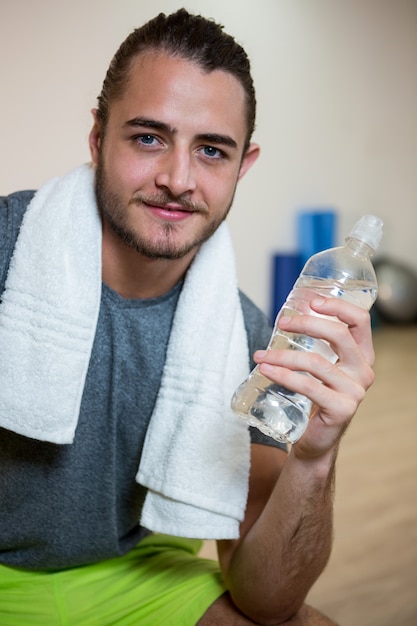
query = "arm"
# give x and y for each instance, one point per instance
(286, 536)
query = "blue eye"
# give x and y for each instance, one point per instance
(147, 140)
(213, 153)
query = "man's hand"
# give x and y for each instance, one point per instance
(336, 390)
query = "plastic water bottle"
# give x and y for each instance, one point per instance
(344, 272)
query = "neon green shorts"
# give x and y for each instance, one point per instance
(161, 582)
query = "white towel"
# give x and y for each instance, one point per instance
(196, 454)
(195, 461)
(49, 311)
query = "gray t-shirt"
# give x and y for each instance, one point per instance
(67, 505)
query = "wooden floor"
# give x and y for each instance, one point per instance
(371, 579)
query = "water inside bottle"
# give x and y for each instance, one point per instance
(273, 409)
(359, 292)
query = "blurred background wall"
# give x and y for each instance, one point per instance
(337, 115)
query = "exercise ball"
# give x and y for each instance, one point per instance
(397, 291)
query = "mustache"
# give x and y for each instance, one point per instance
(163, 198)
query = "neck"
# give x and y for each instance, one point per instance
(132, 275)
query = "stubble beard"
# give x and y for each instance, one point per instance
(113, 212)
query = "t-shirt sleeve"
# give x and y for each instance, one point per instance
(258, 329)
(12, 210)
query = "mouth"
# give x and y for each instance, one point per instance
(169, 209)
(171, 212)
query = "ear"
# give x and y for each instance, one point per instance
(94, 138)
(249, 159)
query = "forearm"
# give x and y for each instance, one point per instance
(286, 549)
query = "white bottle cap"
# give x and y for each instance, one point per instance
(368, 230)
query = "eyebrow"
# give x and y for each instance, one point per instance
(149, 123)
(219, 139)
(144, 122)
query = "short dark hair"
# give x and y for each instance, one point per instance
(191, 37)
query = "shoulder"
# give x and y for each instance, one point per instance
(12, 210)
(257, 324)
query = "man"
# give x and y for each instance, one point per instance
(170, 140)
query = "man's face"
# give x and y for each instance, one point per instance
(171, 155)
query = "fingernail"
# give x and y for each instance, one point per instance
(318, 302)
(284, 320)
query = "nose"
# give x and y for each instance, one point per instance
(176, 172)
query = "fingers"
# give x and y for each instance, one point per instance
(351, 342)
(329, 386)
(346, 338)
(356, 319)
